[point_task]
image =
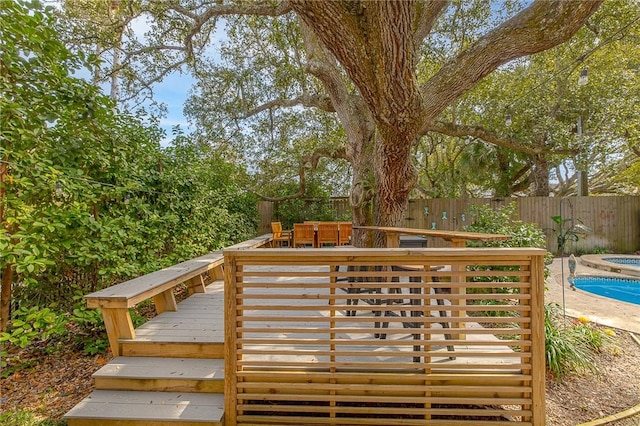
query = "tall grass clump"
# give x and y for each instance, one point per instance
(571, 346)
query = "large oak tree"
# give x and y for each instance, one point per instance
(366, 55)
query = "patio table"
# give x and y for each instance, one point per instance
(457, 239)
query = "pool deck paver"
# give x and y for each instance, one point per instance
(598, 309)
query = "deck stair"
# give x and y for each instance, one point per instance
(161, 375)
(171, 373)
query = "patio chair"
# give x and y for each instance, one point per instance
(345, 229)
(327, 234)
(304, 234)
(279, 235)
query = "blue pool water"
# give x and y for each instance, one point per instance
(625, 289)
(623, 260)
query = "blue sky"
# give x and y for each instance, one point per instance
(173, 92)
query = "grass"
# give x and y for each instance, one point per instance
(27, 418)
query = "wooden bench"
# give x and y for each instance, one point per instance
(116, 300)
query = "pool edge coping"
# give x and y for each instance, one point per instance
(597, 261)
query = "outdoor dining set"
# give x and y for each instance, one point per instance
(314, 234)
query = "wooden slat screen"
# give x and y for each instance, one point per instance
(372, 336)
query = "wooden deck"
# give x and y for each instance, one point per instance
(195, 330)
(296, 357)
(171, 361)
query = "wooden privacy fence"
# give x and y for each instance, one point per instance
(615, 221)
(368, 336)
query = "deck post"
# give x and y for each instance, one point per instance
(538, 366)
(218, 272)
(165, 301)
(118, 324)
(196, 285)
(230, 346)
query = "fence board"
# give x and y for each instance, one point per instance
(615, 221)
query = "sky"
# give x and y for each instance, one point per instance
(173, 92)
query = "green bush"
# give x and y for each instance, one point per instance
(91, 196)
(30, 325)
(88, 330)
(27, 418)
(501, 221)
(46, 328)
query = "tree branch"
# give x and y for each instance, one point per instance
(350, 108)
(514, 144)
(148, 83)
(539, 27)
(426, 18)
(254, 8)
(520, 184)
(317, 101)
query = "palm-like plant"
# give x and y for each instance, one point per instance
(569, 229)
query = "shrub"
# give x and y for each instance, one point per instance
(570, 347)
(46, 328)
(31, 325)
(501, 221)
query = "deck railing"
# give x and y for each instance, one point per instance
(367, 336)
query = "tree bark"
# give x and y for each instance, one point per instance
(373, 41)
(540, 177)
(5, 303)
(7, 270)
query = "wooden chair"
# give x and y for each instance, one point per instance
(346, 228)
(279, 235)
(327, 234)
(304, 234)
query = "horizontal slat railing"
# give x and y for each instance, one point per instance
(116, 300)
(373, 336)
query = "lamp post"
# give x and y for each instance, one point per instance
(582, 176)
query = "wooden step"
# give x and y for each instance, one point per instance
(171, 349)
(104, 407)
(161, 375)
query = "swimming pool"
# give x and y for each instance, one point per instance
(623, 260)
(624, 289)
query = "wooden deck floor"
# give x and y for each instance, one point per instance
(151, 362)
(200, 320)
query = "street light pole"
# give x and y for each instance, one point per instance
(582, 175)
